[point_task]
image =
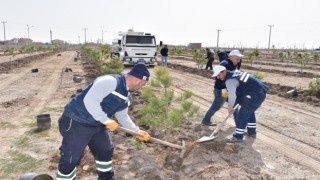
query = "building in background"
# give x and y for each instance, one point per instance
(195, 45)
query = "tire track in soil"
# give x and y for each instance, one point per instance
(301, 152)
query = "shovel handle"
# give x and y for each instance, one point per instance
(222, 123)
(151, 138)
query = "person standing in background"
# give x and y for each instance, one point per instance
(210, 57)
(164, 55)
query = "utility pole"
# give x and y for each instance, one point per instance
(85, 35)
(78, 39)
(50, 36)
(218, 39)
(270, 26)
(4, 30)
(102, 36)
(28, 33)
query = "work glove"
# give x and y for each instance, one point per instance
(111, 125)
(224, 93)
(145, 137)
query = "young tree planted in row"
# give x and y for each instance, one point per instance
(199, 58)
(164, 110)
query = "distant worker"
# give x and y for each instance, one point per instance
(210, 57)
(164, 55)
(220, 93)
(222, 55)
(86, 118)
(247, 91)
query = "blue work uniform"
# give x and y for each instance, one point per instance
(250, 93)
(79, 129)
(218, 99)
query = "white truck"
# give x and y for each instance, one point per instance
(133, 47)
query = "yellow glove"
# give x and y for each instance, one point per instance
(145, 137)
(111, 125)
(224, 93)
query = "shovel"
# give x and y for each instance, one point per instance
(183, 148)
(215, 132)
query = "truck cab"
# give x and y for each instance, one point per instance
(133, 47)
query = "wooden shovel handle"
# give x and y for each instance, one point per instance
(151, 138)
(222, 123)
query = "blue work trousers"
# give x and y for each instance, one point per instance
(215, 106)
(246, 115)
(76, 136)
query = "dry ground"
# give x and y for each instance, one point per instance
(287, 145)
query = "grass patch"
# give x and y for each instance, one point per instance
(23, 142)
(5, 125)
(139, 144)
(17, 163)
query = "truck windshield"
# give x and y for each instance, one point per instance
(146, 40)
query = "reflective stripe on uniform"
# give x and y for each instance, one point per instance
(239, 131)
(244, 77)
(104, 166)
(251, 125)
(119, 95)
(70, 176)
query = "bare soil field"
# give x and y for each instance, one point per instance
(287, 145)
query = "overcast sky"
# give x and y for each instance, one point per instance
(243, 23)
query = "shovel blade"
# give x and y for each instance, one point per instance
(206, 138)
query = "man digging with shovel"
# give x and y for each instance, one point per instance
(248, 92)
(86, 118)
(220, 94)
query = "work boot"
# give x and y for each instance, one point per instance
(234, 140)
(250, 135)
(209, 124)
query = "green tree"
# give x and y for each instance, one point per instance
(314, 87)
(256, 54)
(316, 57)
(281, 56)
(199, 58)
(114, 66)
(250, 58)
(302, 59)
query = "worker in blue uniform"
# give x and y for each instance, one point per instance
(246, 90)
(87, 118)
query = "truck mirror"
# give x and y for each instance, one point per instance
(160, 43)
(119, 41)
